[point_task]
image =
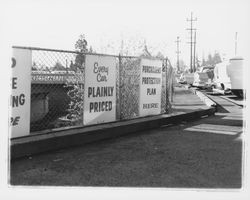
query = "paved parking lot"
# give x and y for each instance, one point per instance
(206, 153)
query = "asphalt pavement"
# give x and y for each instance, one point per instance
(206, 153)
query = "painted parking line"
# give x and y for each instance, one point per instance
(218, 129)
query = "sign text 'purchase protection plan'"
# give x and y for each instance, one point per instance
(150, 87)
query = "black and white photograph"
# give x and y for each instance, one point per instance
(125, 99)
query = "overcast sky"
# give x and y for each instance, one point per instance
(57, 24)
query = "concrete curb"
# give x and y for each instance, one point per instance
(209, 102)
(69, 137)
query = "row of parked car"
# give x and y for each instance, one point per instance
(226, 76)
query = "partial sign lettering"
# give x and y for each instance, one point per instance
(20, 94)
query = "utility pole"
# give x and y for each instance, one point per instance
(178, 53)
(191, 29)
(235, 44)
(194, 50)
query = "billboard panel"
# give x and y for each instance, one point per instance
(150, 87)
(20, 93)
(100, 89)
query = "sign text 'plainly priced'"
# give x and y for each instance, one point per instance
(100, 91)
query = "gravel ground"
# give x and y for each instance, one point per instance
(206, 153)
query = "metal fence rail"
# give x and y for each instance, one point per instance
(57, 88)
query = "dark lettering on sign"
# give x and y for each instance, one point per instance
(101, 78)
(100, 106)
(14, 83)
(151, 80)
(18, 100)
(13, 60)
(100, 91)
(151, 69)
(21, 99)
(101, 71)
(14, 120)
(150, 105)
(151, 91)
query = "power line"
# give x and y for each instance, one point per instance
(178, 53)
(191, 29)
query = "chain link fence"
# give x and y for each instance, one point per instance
(51, 89)
(57, 88)
(129, 87)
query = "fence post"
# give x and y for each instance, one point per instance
(120, 93)
(171, 76)
(166, 82)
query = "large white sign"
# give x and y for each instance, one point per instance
(20, 93)
(150, 87)
(100, 89)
